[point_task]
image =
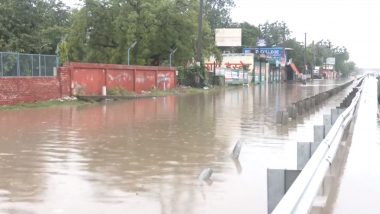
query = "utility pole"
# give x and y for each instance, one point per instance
(283, 32)
(314, 57)
(313, 68)
(304, 56)
(200, 32)
(259, 55)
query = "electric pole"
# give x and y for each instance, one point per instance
(304, 56)
(200, 32)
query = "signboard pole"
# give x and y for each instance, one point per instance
(260, 67)
(213, 80)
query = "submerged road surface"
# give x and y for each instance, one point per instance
(145, 156)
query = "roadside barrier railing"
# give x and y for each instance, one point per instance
(301, 194)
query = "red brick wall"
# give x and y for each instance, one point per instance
(15, 90)
(65, 81)
(84, 79)
(121, 79)
(89, 78)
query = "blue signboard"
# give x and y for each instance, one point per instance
(248, 50)
(273, 53)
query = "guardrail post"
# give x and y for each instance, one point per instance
(278, 183)
(304, 106)
(341, 110)
(285, 118)
(278, 116)
(334, 115)
(292, 111)
(319, 99)
(303, 154)
(327, 123)
(312, 102)
(308, 104)
(282, 117)
(299, 107)
(319, 133)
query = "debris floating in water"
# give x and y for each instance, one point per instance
(205, 174)
(237, 149)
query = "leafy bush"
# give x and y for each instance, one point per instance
(194, 75)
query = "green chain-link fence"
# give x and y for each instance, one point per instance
(17, 64)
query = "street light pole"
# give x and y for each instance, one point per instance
(129, 49)
(170, 57)
(39, 59)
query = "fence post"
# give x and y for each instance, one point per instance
(39, 64)
(45, 64)
(18, 64)
(31, 56)
(1, 64)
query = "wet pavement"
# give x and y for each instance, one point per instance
(358, 188)
(144, 156)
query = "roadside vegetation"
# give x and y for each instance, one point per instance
(46, 104)
(102, 31)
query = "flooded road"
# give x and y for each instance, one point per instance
(356, 187)
(144, 156)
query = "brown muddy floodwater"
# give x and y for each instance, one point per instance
(144, 156)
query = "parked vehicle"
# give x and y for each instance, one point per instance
(317, 73)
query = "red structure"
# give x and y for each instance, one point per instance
(85, 79)
(15, 90)
(89, 78)
(295, 69)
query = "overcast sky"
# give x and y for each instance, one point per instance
(351, 23)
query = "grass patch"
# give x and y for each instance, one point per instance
(120, 92)
(45, 104)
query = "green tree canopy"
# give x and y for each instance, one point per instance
(33, 26)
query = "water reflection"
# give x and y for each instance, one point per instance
(144, 156)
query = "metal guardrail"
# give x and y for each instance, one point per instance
(17, 64)
(301, 194)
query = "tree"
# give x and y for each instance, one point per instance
(275, 34)
(33, 26)
(296, 52)
(250, 33)
(104, 30)
(18, 19)
(217, 13)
